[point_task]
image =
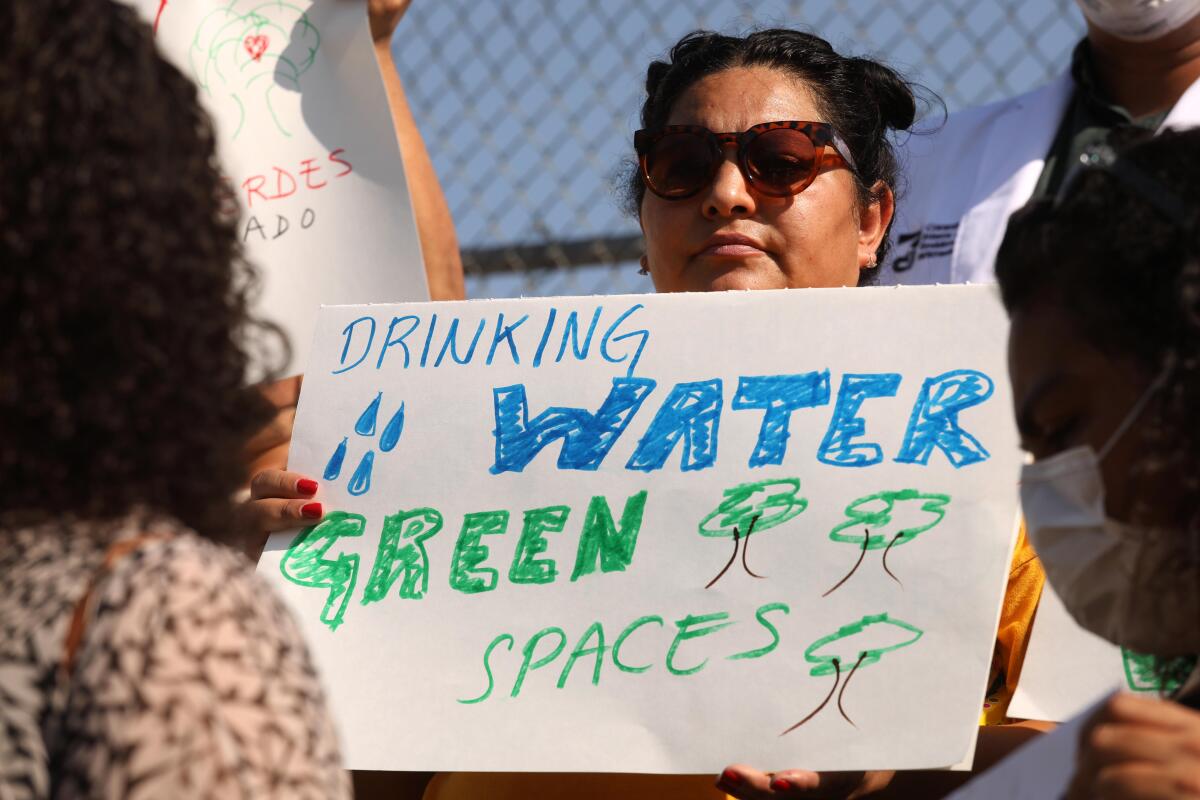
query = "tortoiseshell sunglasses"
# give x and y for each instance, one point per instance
(779, 159)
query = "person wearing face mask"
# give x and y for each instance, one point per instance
(1102, 284)
(1138, 68)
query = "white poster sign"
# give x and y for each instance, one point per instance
(1067, 668)
(657, 533)
(308, 148)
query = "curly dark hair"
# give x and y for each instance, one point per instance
(1129, 279)
(862, 98)
(124, 297)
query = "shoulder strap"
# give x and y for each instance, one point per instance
(79, 619)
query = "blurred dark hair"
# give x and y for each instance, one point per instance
(123, 295)
(863, 99)
(1128, 278)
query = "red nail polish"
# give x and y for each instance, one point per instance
(781, 785)
(731, 777)
(306, 486)
(311, 510)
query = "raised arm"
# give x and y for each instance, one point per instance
(443, 264)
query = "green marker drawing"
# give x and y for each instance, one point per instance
(402, 551)
(829, 660)
(487, 667)
(752, 508)
(305, 564)
(878, 511)
(243, 56)
(1149, 673)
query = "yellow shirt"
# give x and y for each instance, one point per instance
(1025, 580)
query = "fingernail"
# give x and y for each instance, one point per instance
(311, 510)
(781, 785)
(306, 486)
(731, 777)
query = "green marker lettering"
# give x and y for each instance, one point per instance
(527, 663)
(761, 616)
(538, 521)
(687, 629)
(629, 629)
(597, 650)
(393, 558)
(305, 564)
(488, 668)
(469, 552)
(601, 539)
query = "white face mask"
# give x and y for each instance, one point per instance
(1139, 20)
(1135, 586)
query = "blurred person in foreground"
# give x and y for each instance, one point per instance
(1102, 284)
(139, 656)
(1137, 70)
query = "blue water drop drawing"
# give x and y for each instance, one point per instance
(392, 431)
(360, 481)
(366, 423)
(334, 468)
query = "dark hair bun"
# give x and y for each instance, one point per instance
(891, 94)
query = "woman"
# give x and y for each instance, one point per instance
(1103, 288)
(727, 201)
(139, 657)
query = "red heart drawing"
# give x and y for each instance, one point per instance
(256, 46)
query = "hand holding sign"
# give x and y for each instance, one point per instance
(385, 15)
(1138, 747)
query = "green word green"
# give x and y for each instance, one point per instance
(402, 563)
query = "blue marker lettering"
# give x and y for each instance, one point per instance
(428, 339)
(587, 438)
(642, 335)
(692, 412)
(389, 341)
(934, 420)
(348, 332)
(505, 332)
(571, 330)
(537, 358)
(778, 396)
(838, 447)
(451, 344)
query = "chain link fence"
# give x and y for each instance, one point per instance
(528, 106)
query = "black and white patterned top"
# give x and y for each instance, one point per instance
(191, 679)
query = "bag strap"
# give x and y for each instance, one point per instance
(79, 619)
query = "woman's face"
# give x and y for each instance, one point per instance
(728, 236)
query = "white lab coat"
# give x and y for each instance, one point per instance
(960, 185)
